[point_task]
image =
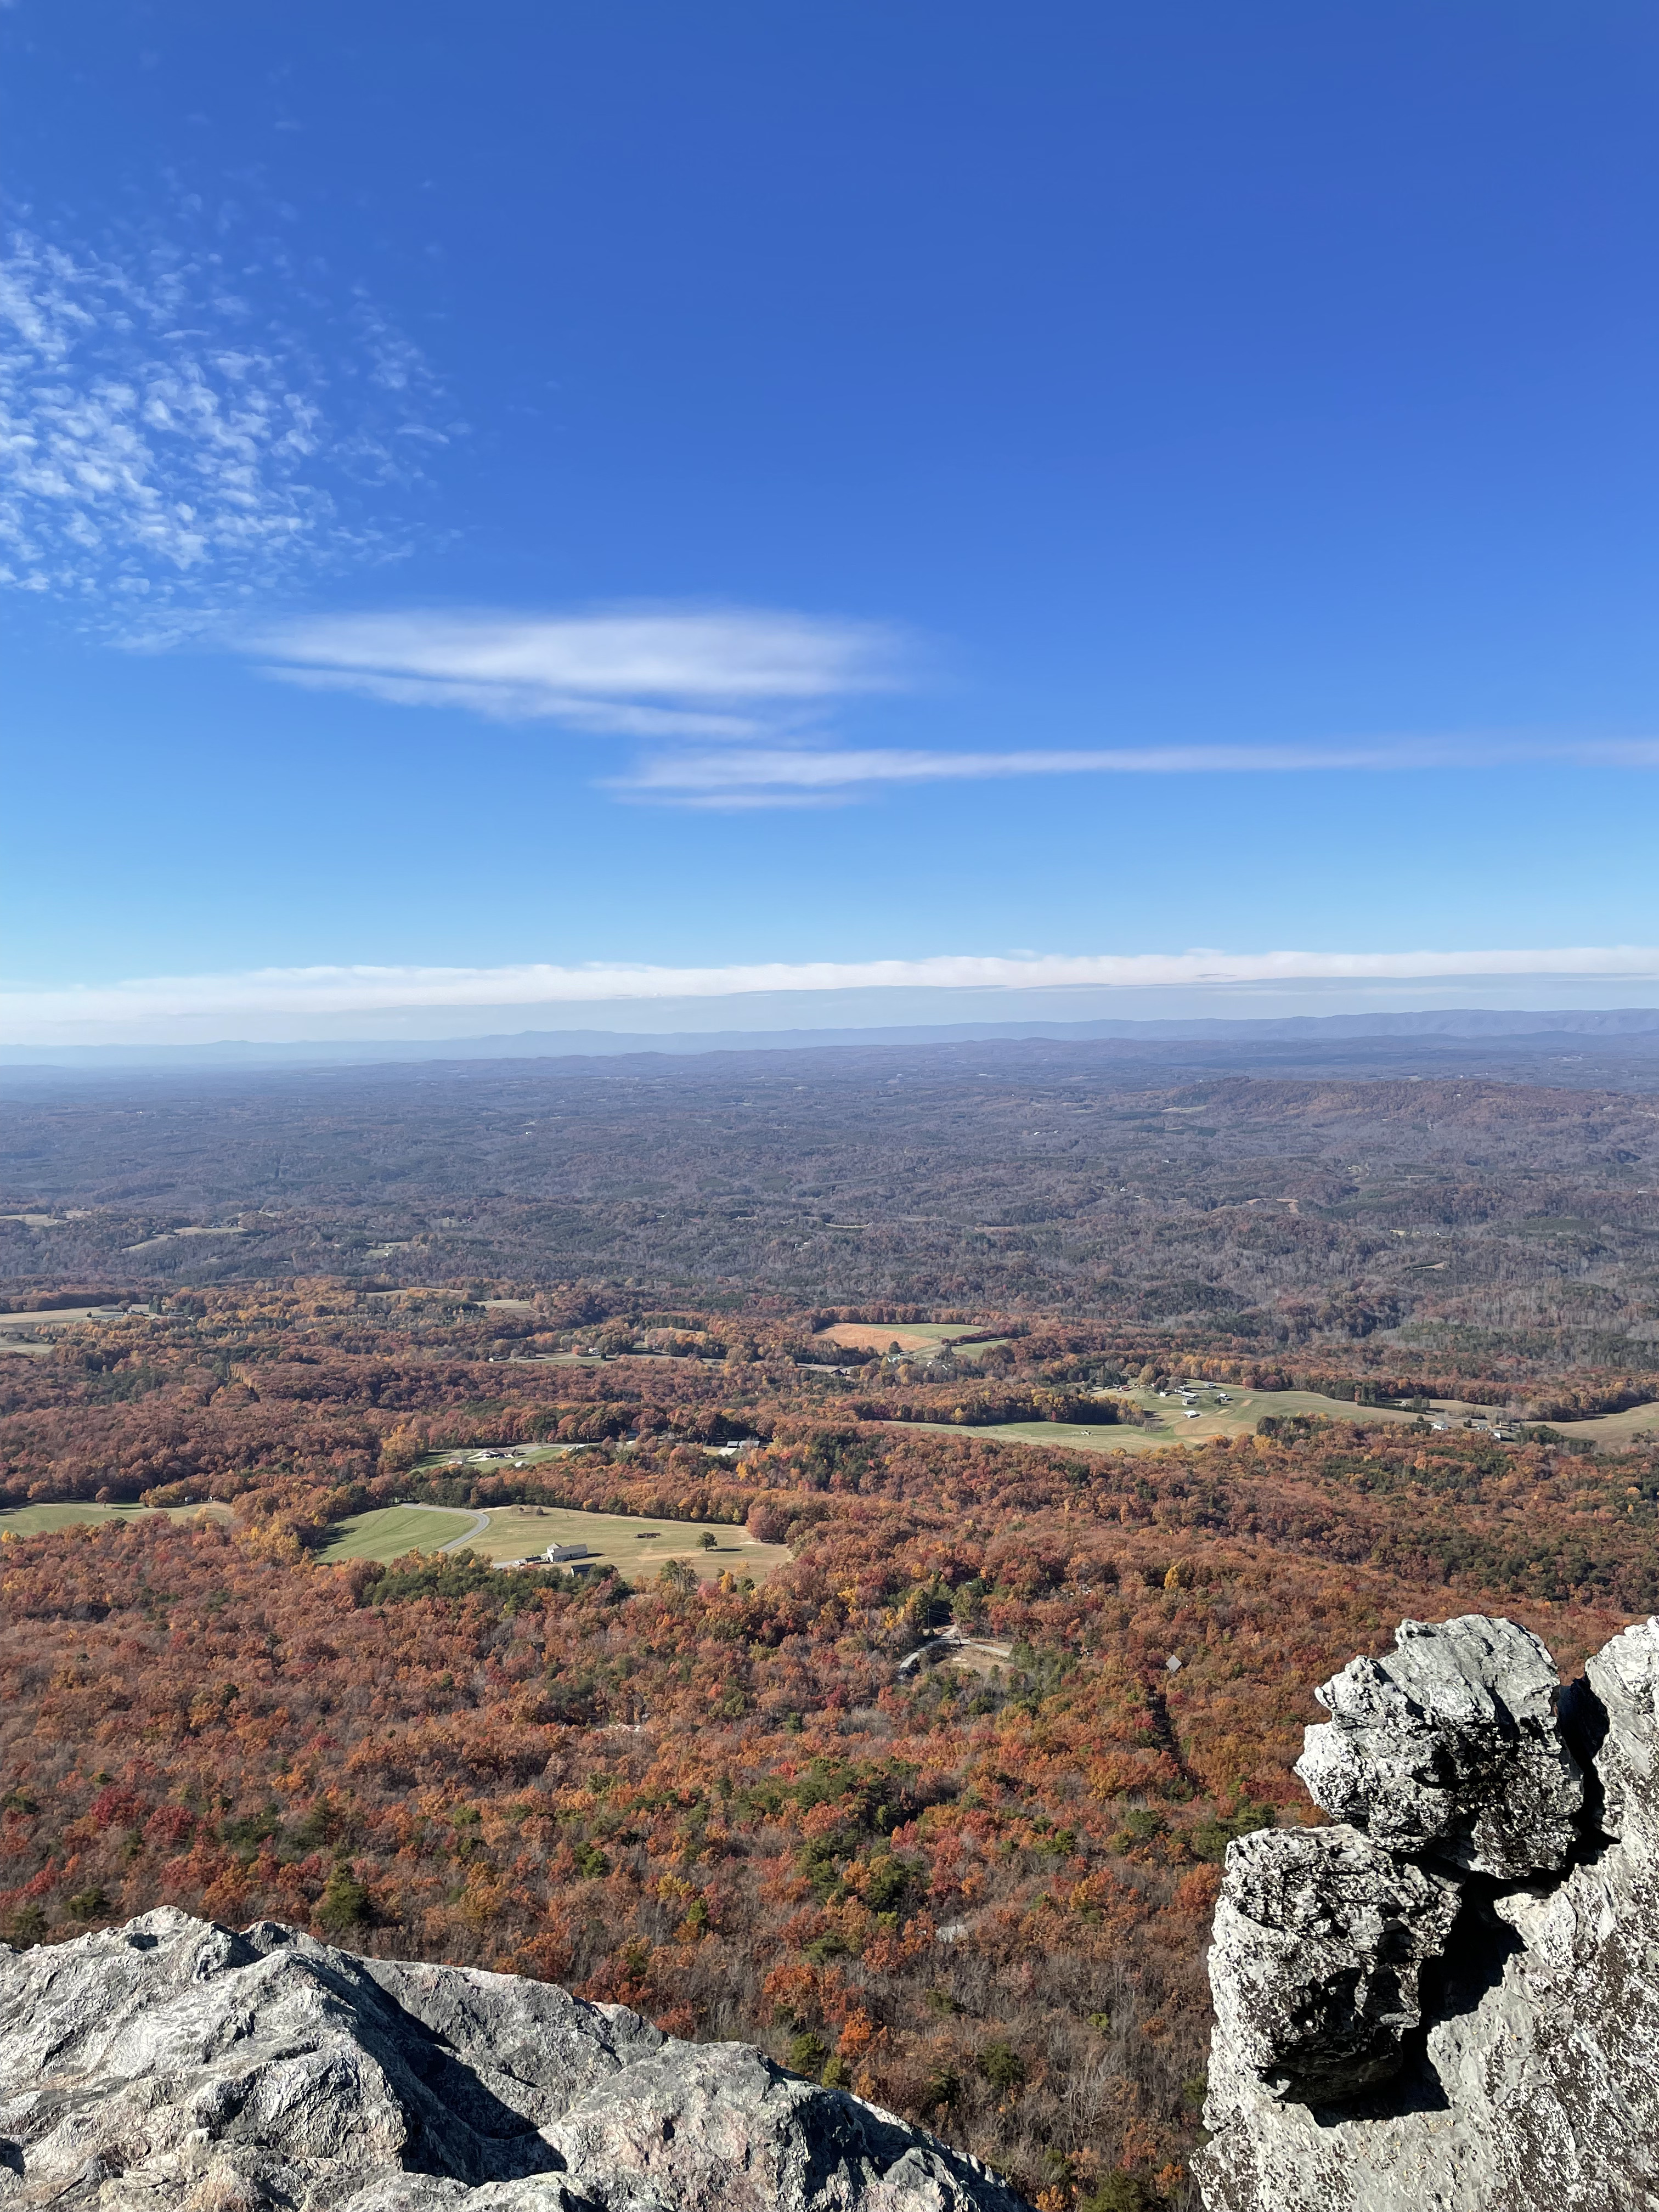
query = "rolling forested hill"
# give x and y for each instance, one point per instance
(1432, 1211)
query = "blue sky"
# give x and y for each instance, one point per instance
(565, 515)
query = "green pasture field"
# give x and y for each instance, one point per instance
(393, 1530)
(1613, 1428)
(1243, 1409)
(45, 1520)
(635, 1547)
(621, 1541)
(948, 1335)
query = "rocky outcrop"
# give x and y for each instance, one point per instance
(1452, 1746)
(1451, 1998)
(1320, 1943)
(174, 2063)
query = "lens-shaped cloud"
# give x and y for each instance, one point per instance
(732, 672)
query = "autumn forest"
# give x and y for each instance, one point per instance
(931, 1799)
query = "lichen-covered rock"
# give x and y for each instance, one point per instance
(1319, 1947)
(1533, 2084)
(1451, 1744)
(174, 2063)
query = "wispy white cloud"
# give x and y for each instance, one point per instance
(170, 443)
(732, 672)
(748, 775)
(731, 693)
(64, 1014)
(502, 702)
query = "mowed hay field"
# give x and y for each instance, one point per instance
(395, 1530)
(910, 1336)
(636, 1547)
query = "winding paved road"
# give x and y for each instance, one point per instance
(480, 1527)
(480, 1524)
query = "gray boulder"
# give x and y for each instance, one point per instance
(1532, 2083)
(1319, 1946)
(172, 2062)
(1452, 1745)
(1621, 1714)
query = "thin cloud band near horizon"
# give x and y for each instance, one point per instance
(49, 1014)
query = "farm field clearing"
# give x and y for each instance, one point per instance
(970, 1655)
(927, 1337)
(1244, 1408)
(877, 1336)
(1614, 1428)
(518, 1532)
(391, 1530)
(45, 1520)
(503, 1456)
(633, 1545)
(52, 1317)
(1237, 1418)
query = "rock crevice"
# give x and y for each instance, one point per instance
(1450, 1998)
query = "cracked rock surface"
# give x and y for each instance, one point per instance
(1320, 1942)
(174, 2063)
(1529, 2080)
(1451, 1744)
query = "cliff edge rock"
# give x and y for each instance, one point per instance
(174, 2064)
(1450, 1998)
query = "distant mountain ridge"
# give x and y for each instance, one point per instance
(1473, 1023)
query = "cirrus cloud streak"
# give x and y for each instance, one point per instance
(749, 776)
(731, 695)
